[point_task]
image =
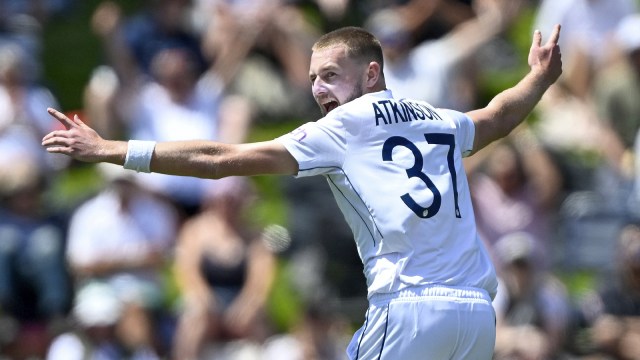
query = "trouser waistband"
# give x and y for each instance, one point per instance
(458, 292)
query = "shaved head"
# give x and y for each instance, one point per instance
(361, 45)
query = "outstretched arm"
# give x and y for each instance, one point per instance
(509, 108)
(198, 158)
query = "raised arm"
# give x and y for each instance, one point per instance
(510, 107)
(198, 158)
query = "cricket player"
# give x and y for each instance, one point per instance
(395, 169)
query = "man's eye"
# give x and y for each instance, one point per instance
(331, 74)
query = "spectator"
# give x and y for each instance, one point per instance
(323, 263)
(321, 334)
(532, 306)
(21, 98)
(512, 192)
(122, 237)
(178, 101)
(225, 272)
(178, 107)
(568, 127)
(157, 26)
(35, 289)
(589, 26)
(21, 25)
(409, 67)
(266, 43)
(616, 89)
(424, 19)
(96, 312)
(612, 312)
(584, 120)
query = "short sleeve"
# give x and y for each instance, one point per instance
(465, 130)
(319, 147)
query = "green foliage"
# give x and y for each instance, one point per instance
(518, 37)
(73, 186)
(285, 306)
(520, 34)
(270, 207)
(579, 283)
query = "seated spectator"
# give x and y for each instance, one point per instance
(320, 334)
(96, 312)
(224, 271)
(122, 238)
(35, 289)
(612, 312)
(532, 306)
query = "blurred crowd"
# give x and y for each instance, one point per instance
(148, 266)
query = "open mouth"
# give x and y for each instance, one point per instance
(330, 105)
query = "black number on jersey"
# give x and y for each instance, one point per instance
(416, 171)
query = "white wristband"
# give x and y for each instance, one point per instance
(139, 155)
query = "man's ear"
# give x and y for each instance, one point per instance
(373, 74)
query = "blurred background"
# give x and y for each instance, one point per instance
(97, 262)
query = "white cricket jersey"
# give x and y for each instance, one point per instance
(395, 169)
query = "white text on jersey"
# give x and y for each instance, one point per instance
(394, 112)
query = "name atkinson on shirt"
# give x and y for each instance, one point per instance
(394, 112)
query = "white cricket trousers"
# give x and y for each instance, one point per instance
(427, 323)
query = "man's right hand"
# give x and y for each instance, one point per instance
(81, 142)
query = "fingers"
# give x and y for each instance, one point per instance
(61, 117)
(53, 136)
(59, 150)
(61, 141)
(77, 120)
(68, 123)
(55, 143)
(553, 39)
(537, 38)
(555, 36)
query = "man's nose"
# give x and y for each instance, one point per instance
(318, 87)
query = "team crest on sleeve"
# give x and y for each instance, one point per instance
(299, 134)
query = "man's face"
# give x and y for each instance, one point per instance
(335, 78)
